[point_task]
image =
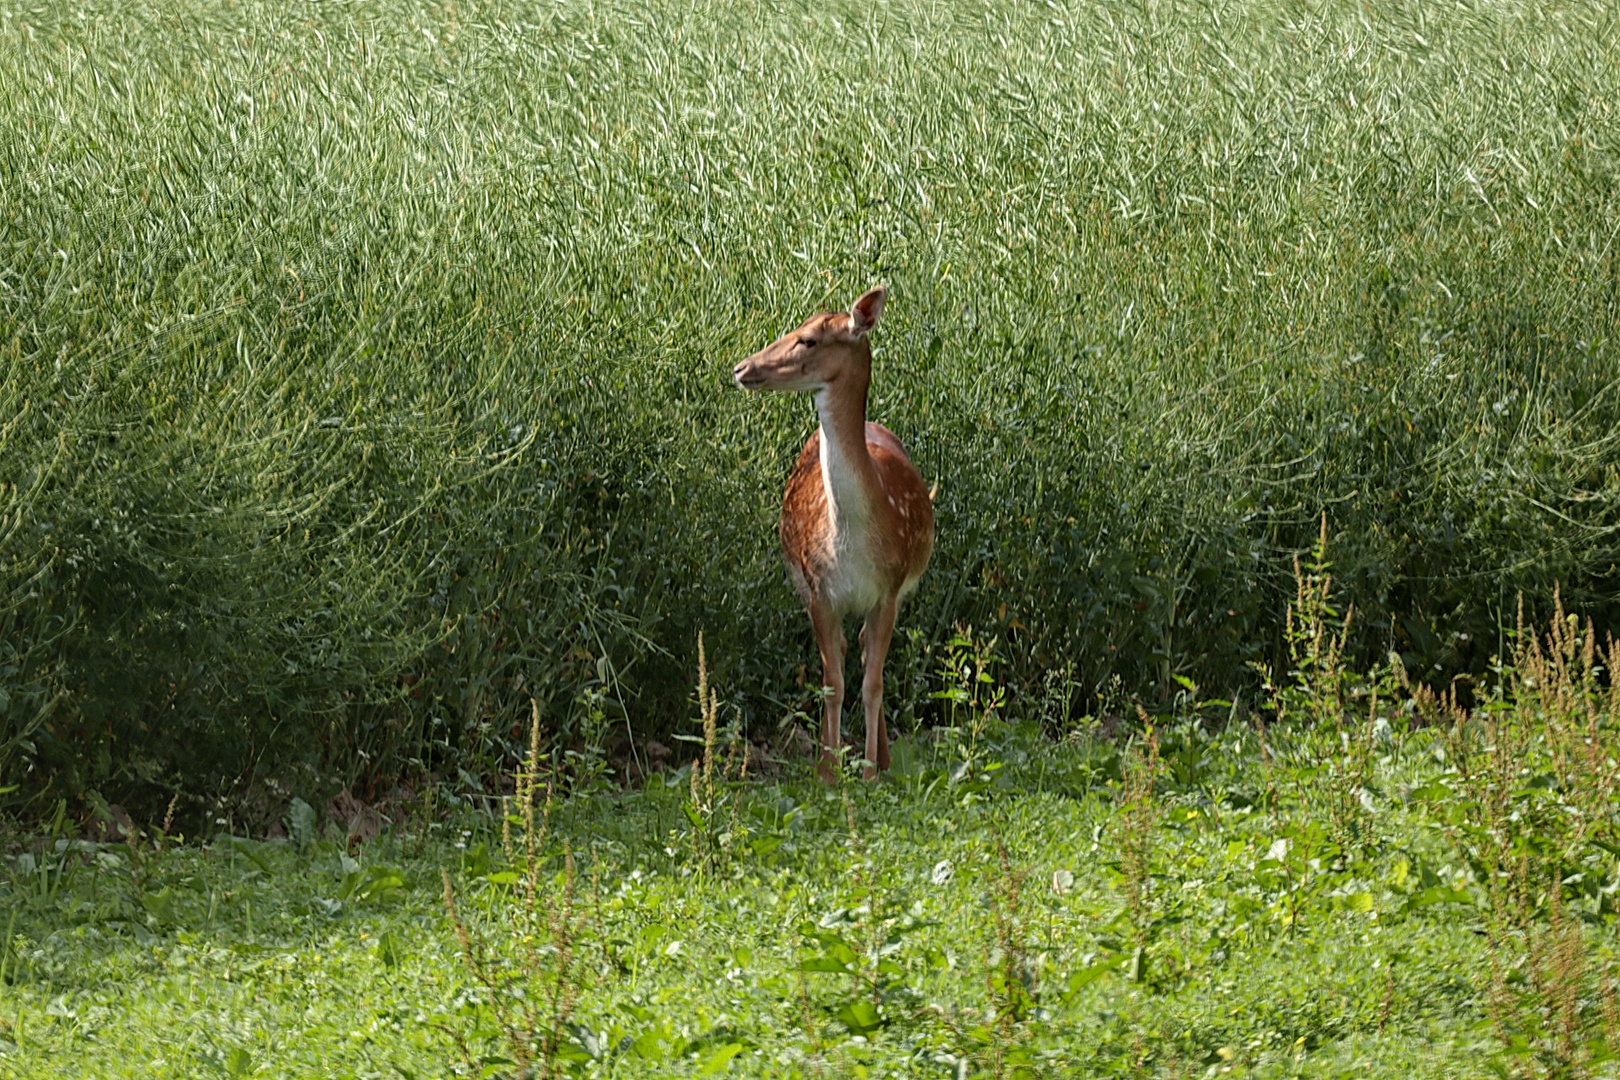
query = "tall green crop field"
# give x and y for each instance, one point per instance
(363, 365)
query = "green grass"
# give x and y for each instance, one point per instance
(249, 960)
(362, 365)
(1391, 887)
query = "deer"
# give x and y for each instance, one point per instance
(857, 524)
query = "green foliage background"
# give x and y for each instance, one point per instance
(363, 366)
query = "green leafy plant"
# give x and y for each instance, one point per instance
(1013, 975)
(715, 830)
(1327, 713)
(974, 702)
(528, 967)
(1528, 800)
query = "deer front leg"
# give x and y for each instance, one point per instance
(875, 636)
(830, 640)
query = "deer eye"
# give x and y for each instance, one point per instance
(808, 343)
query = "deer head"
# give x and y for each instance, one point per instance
(816, 355)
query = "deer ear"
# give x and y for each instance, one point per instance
(864, 313)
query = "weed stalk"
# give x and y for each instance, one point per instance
(532, 986)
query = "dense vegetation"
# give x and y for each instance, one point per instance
(1377, 884)
(362, 364)
(364, 427)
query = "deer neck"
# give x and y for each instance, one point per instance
(847, 471)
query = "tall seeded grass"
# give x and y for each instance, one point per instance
(363, 365)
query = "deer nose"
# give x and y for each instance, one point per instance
(741, 373)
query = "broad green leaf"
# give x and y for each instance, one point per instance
(861, 1017)
(160, 905)
(387, 950)
(721, 1058)
(825, 964)
(301, 824)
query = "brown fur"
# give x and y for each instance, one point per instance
(909, 518)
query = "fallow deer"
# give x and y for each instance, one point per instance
(857, 520)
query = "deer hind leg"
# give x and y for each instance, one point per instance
(830, 640)
(875, 636)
